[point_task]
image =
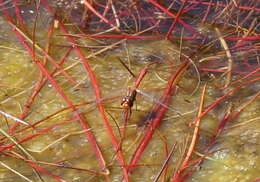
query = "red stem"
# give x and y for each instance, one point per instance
(89, 135)
(175, 20)
(39, 168)
(187, 26)
(160, 111)
(219, 4)
(97, 91)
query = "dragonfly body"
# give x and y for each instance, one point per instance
(128, 100)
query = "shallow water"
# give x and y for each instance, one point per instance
(235, 156)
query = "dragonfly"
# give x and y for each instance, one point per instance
(128, 102)
(129, 99)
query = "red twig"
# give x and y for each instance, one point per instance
(29, 137)
(18, 14)
(165, 163)
(256, 180)
(97, 91)
(156, 4)
(229, 116)
(38, 86)
(40, 169)
(140, 77)
(159, 112)
(185, 163)
(131, 36)
(90, 7)
(220, 100)
(128, 101)
(206, 14)
(175, 20)
(219, 4)
(89, 134)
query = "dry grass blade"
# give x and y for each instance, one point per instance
(90, 7)
(13, 49)
(241, 108)
(58, 140)
(127, 68)
(15, 172)
(246, 122)
(185, 162)
(66, 107)
(165, 163)
(109, 47)
(229, 57)
(155, 121)
(38, 47)
(23, 150)
(196, 129)
(14, 118)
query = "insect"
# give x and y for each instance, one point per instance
(127, 104)
(128, 100)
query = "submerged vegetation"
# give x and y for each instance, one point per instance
(102, 90)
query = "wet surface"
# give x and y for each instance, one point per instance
(60, 138)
